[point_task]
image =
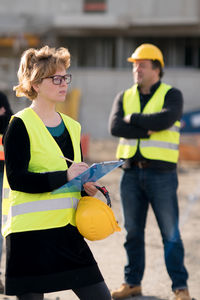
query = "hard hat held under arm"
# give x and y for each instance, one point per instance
(162, 145)
(95, 220)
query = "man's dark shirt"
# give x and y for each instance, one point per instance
(4, 119)
(140, 123)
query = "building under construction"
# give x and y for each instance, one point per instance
(100, 35)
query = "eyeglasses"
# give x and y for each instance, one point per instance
(58, 79)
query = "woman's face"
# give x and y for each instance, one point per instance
(54, 88)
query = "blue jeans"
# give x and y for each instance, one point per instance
(138, 189)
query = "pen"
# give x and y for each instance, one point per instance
(68, 159)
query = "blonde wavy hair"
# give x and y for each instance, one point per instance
(35, 65)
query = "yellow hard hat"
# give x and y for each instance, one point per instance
(147, 51)
(95, 220)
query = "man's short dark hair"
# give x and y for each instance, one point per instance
(157, 65)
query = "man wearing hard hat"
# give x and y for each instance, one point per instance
(146, 117)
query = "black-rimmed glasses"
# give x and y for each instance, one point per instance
(57, 79)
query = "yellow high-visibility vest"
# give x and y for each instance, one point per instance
(162, 145)
(26, 211)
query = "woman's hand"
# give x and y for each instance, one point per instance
(76, 169)
(2, 111)
(150, 132)
(90, 188)
(127, 119)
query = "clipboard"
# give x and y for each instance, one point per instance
(92, 174)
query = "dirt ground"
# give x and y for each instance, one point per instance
(110, 253)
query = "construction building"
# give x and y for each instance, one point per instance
(100, 35)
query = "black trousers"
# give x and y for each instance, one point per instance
(98, 291)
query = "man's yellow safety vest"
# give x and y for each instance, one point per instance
(26, 211)
(162, 145)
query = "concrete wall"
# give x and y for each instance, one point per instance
(154, 11)
(136, 8)
(38, 7)
(99, 88)
(28, 15)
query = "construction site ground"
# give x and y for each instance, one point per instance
(110, 253)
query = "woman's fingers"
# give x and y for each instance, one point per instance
(76, 169)
(90, 188)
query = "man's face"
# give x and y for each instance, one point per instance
(144, 74)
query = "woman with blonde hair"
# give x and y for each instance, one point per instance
(44, 250)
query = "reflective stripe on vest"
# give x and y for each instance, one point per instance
(41, 205)
(150, 143)
(130, 142)
(1, 148)
(162, 145)
(159, 144)
(27, 211)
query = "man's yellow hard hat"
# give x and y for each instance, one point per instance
(147, 51)
(95, 220)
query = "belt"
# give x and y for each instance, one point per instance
(141, 164)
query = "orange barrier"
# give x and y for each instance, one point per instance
(70, 107)
(71, 104)
(189, 149)
(85, 141)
